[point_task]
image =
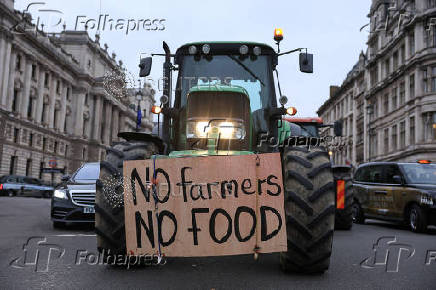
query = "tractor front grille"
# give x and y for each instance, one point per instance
(83, 197)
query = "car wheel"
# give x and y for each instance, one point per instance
(358, 216)
(10, 193)
(417, 219)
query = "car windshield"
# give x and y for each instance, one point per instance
(253, 74)
(419, 173)
(88, 171)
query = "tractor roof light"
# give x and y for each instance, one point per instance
(156, 110)
(291, 111)
(243, 49)
(257, 50)
(206, 48)
(192, 49)
(278, 34)
(424, 161)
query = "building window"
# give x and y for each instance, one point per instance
(16, 135)
(374, 76)
(34, 71)
(402, 93)
(424, 81)
(41, 166)
(403, 134)
(86, 99)
(84, 153)
(31, 139)
(411, 43)
(412, 86)
(412, 130)
(68, 94)
(29, 167)
(44, 144)
(55, 150)
(13, 165)
(18, 62)
(29, 108)
(66, 150)
(394, 98)
(386, 140)
(430, 126)
(387, 67)
(14, 101)
(433, 79)
(395, 60)
(46, 80)
(386, 104)
(394, 138)
(58, 87)
(403, 54)
(431, 3)
(55, 118)
(373, 143)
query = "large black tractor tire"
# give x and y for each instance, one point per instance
(344, 217)
(309, 208)
(109, 199)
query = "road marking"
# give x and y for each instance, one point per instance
(74, 235)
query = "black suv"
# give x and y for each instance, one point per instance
(404, 192)
(73, 200)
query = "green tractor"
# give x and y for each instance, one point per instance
(229, 88)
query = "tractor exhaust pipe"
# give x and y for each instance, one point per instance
(167, 76)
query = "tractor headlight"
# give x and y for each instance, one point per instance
(226, 129)
(59, 193)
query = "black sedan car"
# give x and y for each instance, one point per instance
(73, 200)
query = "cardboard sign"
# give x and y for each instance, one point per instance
(205, 206)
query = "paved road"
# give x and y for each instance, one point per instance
(24, 218)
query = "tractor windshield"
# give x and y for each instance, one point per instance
(253, 74)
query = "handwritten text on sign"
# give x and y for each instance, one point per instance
(206, 206)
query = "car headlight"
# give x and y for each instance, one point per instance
(226, 129)
(427, 199)
(59, 193)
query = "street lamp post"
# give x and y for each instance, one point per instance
(139, 96)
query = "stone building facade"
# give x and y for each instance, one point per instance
(53, 101)
(388, 100)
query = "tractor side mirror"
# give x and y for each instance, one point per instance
(145, 66)
(337, 128)
(397, 179)
(306, 62)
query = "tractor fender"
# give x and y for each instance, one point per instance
(145, 137)
(342, 171)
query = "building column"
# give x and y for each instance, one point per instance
(365, 132)
(63, 112)
(52, 98)
(8, 73)
(115, 123)
(40, 96)
(79, 98)
(98, 108)
(107, 122)
(2, 56)
(419, 128)
(25, 95)
(407, 127)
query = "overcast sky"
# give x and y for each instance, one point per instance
(329, 29)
